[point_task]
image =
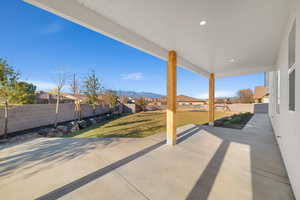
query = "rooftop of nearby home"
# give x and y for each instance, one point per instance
(260, 92)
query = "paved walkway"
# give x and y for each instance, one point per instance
(207, 163)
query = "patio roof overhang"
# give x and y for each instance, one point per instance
(240, 37)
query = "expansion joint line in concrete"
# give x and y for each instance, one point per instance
(132, 185)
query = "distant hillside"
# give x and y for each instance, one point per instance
(138, 94)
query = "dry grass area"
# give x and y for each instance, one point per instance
(143, 124)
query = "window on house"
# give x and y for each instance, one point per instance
(277, 82)
(292, 68)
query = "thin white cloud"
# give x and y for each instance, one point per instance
(218, 94)
(52, 28)
(132, 76)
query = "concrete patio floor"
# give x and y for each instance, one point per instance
(207, 163)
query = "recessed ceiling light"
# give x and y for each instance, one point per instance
(203, 22)
(232, 60)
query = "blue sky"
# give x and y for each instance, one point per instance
(39, 44)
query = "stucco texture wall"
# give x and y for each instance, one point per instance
(285, 122)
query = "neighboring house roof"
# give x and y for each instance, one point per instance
(69, 96)
(72, 97)
(183, 98)
(42, 95)
(51, 95)
(260, 92)
(180, 98)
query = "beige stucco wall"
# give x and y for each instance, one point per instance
(239, 107)
(36, 115)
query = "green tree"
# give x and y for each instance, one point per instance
(23, 93)
(92, 89)
(8, 82)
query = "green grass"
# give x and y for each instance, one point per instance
(142, 124)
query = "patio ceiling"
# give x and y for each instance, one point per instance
(240, 37)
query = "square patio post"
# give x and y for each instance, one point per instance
(211, 101)
(171, 98)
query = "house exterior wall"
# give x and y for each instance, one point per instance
(286, 123)
(265, 100)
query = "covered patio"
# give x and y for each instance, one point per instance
(206, 163)
(211, 38)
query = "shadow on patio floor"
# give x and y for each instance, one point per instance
(101, 172)
(267, 173)
(207, 179)
(36, 152)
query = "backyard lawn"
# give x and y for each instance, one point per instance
(143, 124)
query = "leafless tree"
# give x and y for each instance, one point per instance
(142, 103)
(246, 96)
(60, 84)
(75, 88)
(74, 85)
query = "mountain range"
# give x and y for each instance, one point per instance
(138, 94)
